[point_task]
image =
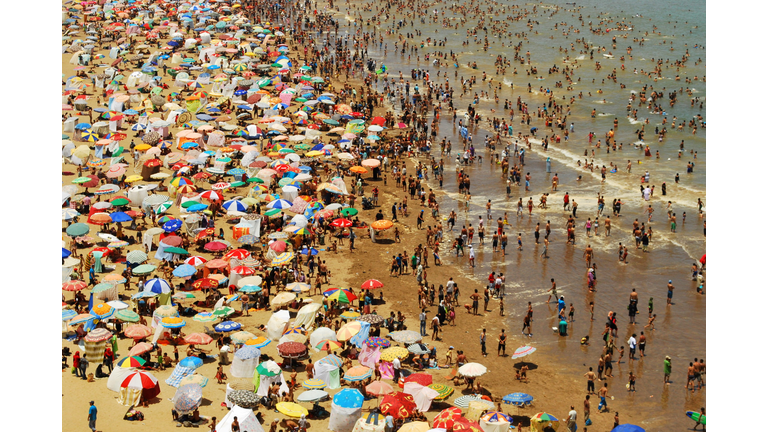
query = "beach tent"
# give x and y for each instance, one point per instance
(263, 382)
(138, 386)
(277, 324)
(244, 362)
(494, 422)
(305, 317)
(346, 408)
(371, 423)
(327, 369)
(245, 417)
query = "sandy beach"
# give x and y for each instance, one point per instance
(555, 375)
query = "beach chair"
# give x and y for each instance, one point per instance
(209, 332)
(452, 374)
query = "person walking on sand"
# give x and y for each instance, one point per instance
(92, 411)
(482, 343)
(502, 349)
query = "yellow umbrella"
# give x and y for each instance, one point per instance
(81, 151)
(314, 153)
(142, 147)
(242, 336)
(348, 330)
(391, 353)
(291, 409)
(133, 178)
(415, 427)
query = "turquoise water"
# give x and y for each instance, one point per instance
(680, 329)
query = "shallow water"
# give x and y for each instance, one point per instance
(680, 329)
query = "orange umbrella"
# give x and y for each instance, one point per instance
(382, 224)
(358, 170)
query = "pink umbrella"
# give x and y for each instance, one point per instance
(278, 246)
(116, 170)
(140, 349)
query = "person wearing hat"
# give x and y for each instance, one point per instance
(667, 369)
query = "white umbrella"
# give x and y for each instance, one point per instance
(473, 370)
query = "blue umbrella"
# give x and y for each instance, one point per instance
(627, 428)
(172, 225)
(157, 286)
(143, 294)
(65, 253)
(197, 207)
(245, 107)
(250, 289)
(189, 145)
(518, 399)
(348, 398)
(82, 126)
(204, 117)
(312, 251)
(248, 352)
(235, 205)
(184, 270)
(236, 172)
(227, 326)
(191, 362)
(68, 314)
(130, 112)
(100, 110)
(187, 398)
(120, 217)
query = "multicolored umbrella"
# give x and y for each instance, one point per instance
(443, 391)
(465, 425)
(187, 398)
(348, 330)
(259, 342)
(544, 420)
(98, 335)
(205, 317)
(348, 315)
(194, 379)
(314, 383)
(340, 295)
(523, 351)
(496, 416)
(283, 258)
(518, 399)
(329, 345)
(137, 331)
(227, 326)
(102, 311)
(332, 360)
(131, 362)
(223, 311)
(268, 368)
(143, 381)
(372, 319)
(463, 401)
(358, 373)
(127, 315)
(172, 322)
(377, 342)
(446, 418)
(241, 337)
(291, 350)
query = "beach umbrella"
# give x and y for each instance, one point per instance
(166, 311)
(291, 409)
(328, 345)
(157, 285)
(349, 211)
(473, 370)
(68, 314)
(223, 311)
(523, 351)
(405, 336)
(98, 335)
(372, 319)
(127, 315)
(415, 426)
(283, 298)
(195, 261)
(543, 420)
(227, 326)
(78, 229)
(443, 391)
(381, 225)
(143, 381)
(74, 285)
(312, 396)
(198, 338)
(248, 239)
(465, 425)
(172, 322)
(419, 378)
(194, 379)
(298, 287)
(348, 315)
(463, 401)
(187, 398)
(131, 362)
(391, 353)
(379, 388)
(140, 348)
(377, 342)
(268, 368)
(241, 337)
(137, 331)
(349, 398)
(192, 362)
(629, 428)
(291, 350)
(69, 213)
(358, 373)
(244, 399)
(340, 295)
(399, 405)
(418, 349)
(184, 270)
(259, 342)
(446, 418)
(371, 284)
(102, 311)
(176, 250)
(518, 399)
(81, 319)
(136, 257)
(313, 383)
(348, 330)
(144, 269)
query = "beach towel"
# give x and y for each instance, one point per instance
(369, 356)
(129, 397)
(178, 374)
(97, 266)
(362, 335)
(386, 370)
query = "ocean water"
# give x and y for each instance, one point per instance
(680, 329)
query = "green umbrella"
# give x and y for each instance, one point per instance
(224, 159)
(305, 77)
(314, 80)
(144, 269)
(237, 184)
(176, 250)
(127, 315)
(301, 99)
(223, 311)
(271, 212)
(78, 229)
(190, 203)
(301, 146)
(255, 180)
(276, 65)
(81, 180)
(102, 287)
(120, 202)
(349, 211)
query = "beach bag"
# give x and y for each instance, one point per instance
(588, 422)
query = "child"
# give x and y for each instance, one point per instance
(592, 310)
(650, 306)
(616, 420)
(621, 353)
(571, 311)
(501, 306)
(631, 384)
(650, 322)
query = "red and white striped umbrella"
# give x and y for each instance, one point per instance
(243, 271)
(211, 195)
(196, 260)
(139, 380)
(74, 285)
(220, 186)
(240, 254)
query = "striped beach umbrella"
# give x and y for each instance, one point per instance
(340, 295)
(127, 315)
(283, 258)
(172, 322)
(523, 351)
(314, 383)
(131, 362)
(74, 285)
(358, 373)
(443, 391)
(102, 311)
(259, 342)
